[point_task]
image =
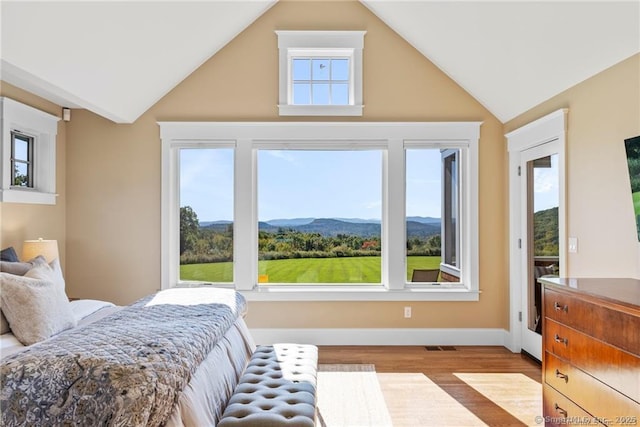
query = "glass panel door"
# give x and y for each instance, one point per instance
(543, 251)
(540, 254)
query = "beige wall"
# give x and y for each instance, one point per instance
(109, 175)
(603, 111)
(20, 221)
(113, 171)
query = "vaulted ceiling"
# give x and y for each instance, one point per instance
(509, 55)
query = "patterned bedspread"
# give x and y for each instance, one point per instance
(127, 369)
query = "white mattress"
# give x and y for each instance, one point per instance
(204, 399)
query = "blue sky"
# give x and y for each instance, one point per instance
(319, 184)
(323, 184)
(206, 182)
(302, 184)
(545, 186)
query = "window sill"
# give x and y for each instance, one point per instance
(27, 196)
(453, 292)
(320, 110)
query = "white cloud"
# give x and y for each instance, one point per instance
(284, 155)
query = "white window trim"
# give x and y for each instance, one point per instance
(393, 137)
(43, 127)
(310, 43)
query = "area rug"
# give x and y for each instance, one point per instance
(350, 396)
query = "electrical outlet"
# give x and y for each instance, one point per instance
(407, 312)
(573, 245)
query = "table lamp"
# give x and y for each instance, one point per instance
(47, 248)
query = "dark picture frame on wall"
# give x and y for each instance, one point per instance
(632, 147)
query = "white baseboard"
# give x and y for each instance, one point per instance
(383, 336)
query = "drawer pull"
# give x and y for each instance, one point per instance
(560, 410)
(557, 338)
(560, 375)
(560, 307)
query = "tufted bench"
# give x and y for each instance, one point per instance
(278, 388)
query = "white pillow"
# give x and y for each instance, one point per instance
(22, 268)
(35, 308)
(51, 272)
(4, 324)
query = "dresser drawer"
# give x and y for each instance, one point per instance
(599, 399)
(602, 361)
(594, 319)
(560, 411)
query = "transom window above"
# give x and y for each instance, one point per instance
(320, 81)
(320, 73)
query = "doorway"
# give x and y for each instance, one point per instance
(537, 229)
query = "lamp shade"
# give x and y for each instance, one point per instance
(46, 248)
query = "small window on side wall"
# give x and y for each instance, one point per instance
(320, 73)
(21, 160)
(28, 154)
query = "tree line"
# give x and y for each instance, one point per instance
(632, 147)
(545, 233)
(200, 245)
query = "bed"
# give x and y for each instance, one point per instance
(172, 358)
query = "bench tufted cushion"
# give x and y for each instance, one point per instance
(278, 388)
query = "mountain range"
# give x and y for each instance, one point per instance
(331, 227)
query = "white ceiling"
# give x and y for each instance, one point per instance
(119, 58)
(116, 59)
(511, 56)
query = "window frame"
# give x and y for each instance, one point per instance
(322, 146)
(447, 267)
(178, 152)
(43, 128)
(393, 137)
(29, 161)
(330, 55)
(320, 44)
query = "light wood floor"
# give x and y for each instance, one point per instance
(457, 386)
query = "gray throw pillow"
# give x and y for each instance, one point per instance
(21, 268)
(9, 254)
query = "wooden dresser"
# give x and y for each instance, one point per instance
(591, 351)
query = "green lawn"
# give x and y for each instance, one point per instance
(307, 270)
(636, 202)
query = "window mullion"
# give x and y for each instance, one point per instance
(170, 216)
(245, 240)
(393, 255)
(30, 155)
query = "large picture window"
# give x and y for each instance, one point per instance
(322, 210)
(319, 216)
